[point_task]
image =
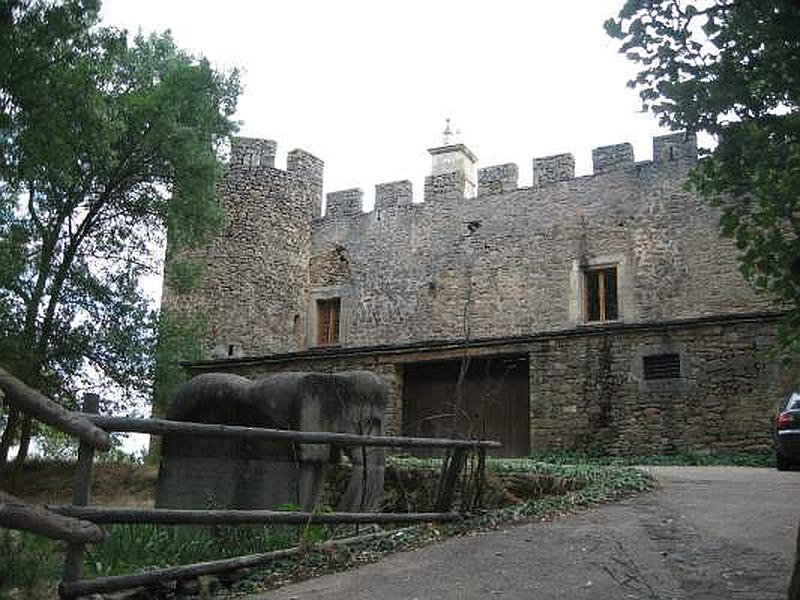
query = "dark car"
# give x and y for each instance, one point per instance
(787, 433)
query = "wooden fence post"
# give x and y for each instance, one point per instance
(451, 469)
(480, 479)
(81, 491)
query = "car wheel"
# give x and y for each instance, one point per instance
(782, 463)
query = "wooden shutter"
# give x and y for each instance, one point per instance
(328, 321)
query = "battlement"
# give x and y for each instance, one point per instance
(254, 158)
(344, 203)
(675, 147)
(252, 152)
(259, 153)
(612, 158)
(551, 169)
(498, 179)
(671, 150)
(393, 194)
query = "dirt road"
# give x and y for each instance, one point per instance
(708, 533)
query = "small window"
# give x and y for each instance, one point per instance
(662, 366)
(601, 294)
(328, 321)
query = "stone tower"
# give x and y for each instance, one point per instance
(254, 290)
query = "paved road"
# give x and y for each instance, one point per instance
(708, 533)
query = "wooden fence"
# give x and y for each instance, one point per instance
(77, 524)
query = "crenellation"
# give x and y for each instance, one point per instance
(393, 194)
(498, 179)
(552, 169)
(612, 158)
(344, 203)
(675, 148)
(252, 152)
(446, 186)
(309, 168)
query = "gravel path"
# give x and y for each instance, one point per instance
(709, 533)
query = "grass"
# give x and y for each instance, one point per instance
(30, 566)
(680, 459)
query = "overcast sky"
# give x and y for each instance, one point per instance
(366, 86)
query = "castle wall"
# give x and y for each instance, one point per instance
(510, 261)
(502, 273)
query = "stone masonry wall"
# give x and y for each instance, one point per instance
(254, 289)
(510, 263)
(589, 393)
(506, 264)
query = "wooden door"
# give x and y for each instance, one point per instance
(493, 403)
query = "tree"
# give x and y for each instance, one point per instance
(731, 69)
(105, 145)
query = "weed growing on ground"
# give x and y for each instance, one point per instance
(29, 565)
(33, 564)
(679, 459)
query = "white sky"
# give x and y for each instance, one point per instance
(366, 85)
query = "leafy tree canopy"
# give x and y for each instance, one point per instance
(731, 68)
(105, 142)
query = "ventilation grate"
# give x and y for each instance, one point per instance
(662, 366)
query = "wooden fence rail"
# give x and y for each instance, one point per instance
(167, 516)
(40, 407)
(18, 514)
(164, 427)
(77, 523)
(215, 567)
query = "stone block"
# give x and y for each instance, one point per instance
(344, 203)
(612, 158)
(498, 179)
(252, 152)
(550, 169)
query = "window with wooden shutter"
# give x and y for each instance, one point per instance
(328, 321)
(601, 294)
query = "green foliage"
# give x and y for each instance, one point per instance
(681, 459)
(105, 142)
(183, 275)
(29, 566)
(179, 338)
(730, 69)
(134, 548)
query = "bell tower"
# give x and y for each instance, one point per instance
(455, 157)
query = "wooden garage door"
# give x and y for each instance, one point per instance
(493, 404)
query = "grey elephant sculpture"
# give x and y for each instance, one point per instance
(208, 471)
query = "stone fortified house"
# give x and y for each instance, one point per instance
(601, 312)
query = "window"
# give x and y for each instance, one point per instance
(601, 294)
(662, 366)
(328, 321)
